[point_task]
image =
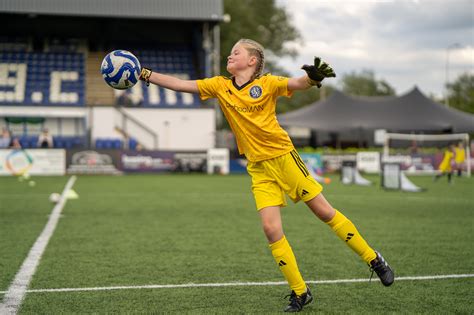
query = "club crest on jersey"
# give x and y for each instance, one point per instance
(255, 91)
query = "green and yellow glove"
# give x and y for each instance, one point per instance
(318, 72)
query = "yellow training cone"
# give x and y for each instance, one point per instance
(71, 194)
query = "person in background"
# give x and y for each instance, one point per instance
(5, 139)
(15, 143)
(445, 167)
(45, 139)
(459, 157)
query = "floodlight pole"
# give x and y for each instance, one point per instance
(448, 50)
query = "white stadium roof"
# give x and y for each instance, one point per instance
(201, 10)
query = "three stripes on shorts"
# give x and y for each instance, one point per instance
(299, 162)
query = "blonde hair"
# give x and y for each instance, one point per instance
(255, 49)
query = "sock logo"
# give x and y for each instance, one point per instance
(282, 263)
(349, 236)
(304, 192)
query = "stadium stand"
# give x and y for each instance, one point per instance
(29, 141)
(65, 142)
(108, 143)
(42, 78)
(50, 58)
(69, 142)
(97, 91)
(175, 60)
(58, 78)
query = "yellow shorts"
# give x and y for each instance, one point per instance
(445, 167)
(271, 179)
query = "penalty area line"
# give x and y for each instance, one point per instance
(243, 284)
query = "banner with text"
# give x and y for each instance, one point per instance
(32, 162)
(162, 161)
(93, 162)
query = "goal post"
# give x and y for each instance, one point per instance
(431, 138)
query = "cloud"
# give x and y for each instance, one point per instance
(403, 42)
(424, 23)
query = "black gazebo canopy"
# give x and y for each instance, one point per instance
(412, 112)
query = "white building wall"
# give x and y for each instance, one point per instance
(102, 123)
(177, 129)
(59, 120)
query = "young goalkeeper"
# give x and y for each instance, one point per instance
(248, 101)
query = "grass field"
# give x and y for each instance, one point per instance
(146, 230)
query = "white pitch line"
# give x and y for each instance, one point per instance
(241, 284)
(18, 288)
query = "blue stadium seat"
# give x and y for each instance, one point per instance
(176, 60)
(99, 144)
(78, 141)
(39, 69)
(132, 143)
(108, 143)
(33, 141)
(116, 144)
(68, 143)
(24, 142)
(58, 142)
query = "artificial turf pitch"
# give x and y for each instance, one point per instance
(140, 230)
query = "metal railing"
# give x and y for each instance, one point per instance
(126, 119)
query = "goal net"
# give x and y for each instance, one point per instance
(420, 154)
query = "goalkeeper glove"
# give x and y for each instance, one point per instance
(318, 72)
(145, 75)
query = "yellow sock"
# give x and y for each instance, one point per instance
(286, 260)
(347, 232)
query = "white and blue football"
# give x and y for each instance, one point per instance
(120, 69)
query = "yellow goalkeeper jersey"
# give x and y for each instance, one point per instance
(460, 156)
(250, 111)
(445, 165)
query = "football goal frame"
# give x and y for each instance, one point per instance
(430, 137)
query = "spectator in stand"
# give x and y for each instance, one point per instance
(124, 100)
(15, 143)
(45, 139)
(5, 139)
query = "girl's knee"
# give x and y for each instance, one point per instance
(273, 232)
(321, 208)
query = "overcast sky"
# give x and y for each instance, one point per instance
(405, 42)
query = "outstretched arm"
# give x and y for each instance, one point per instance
(315, 74)
(301, 83)
(169, 82)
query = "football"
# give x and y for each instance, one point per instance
(120, 69)
(54, 197)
